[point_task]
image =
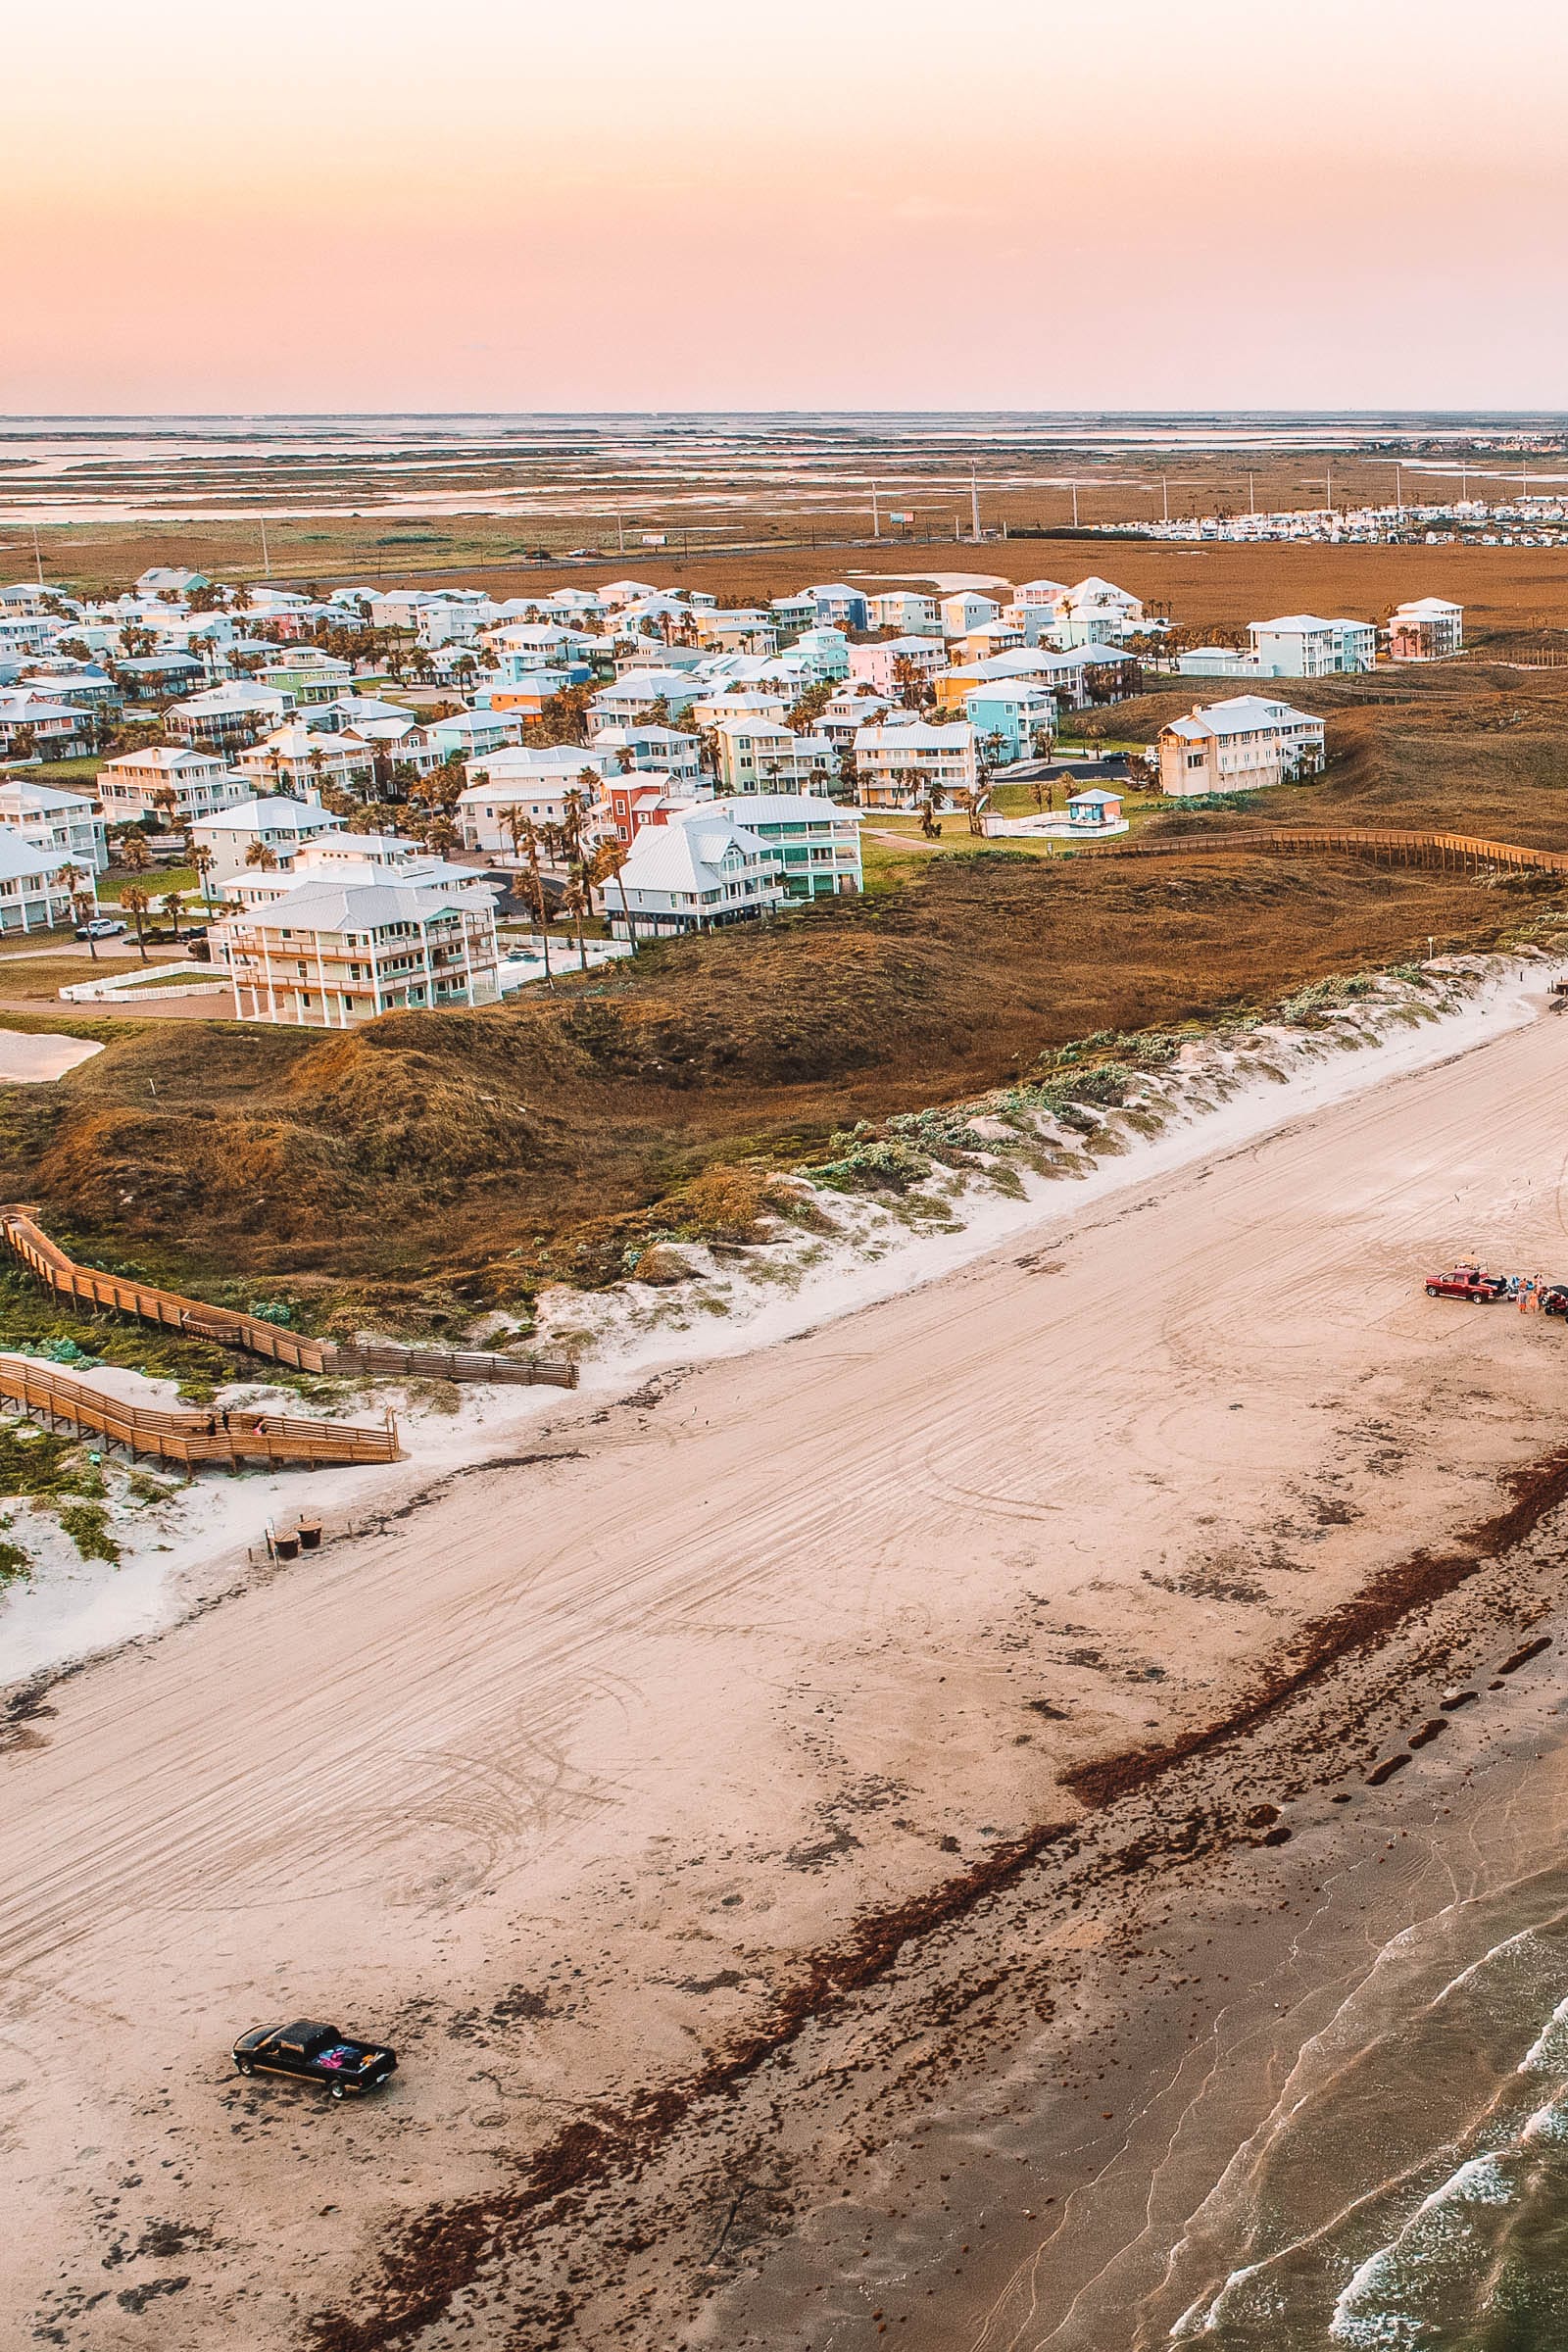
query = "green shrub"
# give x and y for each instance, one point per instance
(87, 1525)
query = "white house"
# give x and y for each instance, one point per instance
(1240, 745)
(1095, 612)
(842, 720)
(303, 759)
(896, 767)
(664, 748)
(277, 824)
(132, 786)
(54, 728)
(874, 665)
(471, 734)
(1300, 646)
(694, 875)
(1428, 629)
(59, 824)
(329, 954)
(632, 698)
(532, 780)
(732, 706)
(34, 894)
(230, 717)
(353, 860)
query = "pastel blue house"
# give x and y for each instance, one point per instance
(1008, 713)
(827, 653)
(472, 733)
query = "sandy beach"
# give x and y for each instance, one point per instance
(717, 1789)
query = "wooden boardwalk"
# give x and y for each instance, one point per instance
(1451, 853)
(196, 1320)
(192, 1439)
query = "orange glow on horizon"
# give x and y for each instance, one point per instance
(714, 206)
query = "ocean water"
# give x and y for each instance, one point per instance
(1409, 2190)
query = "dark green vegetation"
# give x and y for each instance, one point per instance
(41, 1467)
(431, 1162)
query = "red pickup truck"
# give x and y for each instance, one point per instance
(1467, 1282)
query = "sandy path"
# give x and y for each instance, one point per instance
(556, 1777)
(33, 1058)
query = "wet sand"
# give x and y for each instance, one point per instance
(703, 1804)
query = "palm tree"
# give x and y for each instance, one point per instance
(261, 853)
(201, 859)
(134, 854)
(609, 866)
(577, 901)
(911, 681)
(167, 803)
(137, 901)
(84, 907)
(74, 877)
(524, 836)
(172, 904)
(575, 809)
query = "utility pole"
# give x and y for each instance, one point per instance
(1075, 505)
(620, 529)
(1251, 495)
(1399, 492)
(266, 561)
(975, 500)
(1164, 499)
(37, 553)
(876, 516)
(1328, 485)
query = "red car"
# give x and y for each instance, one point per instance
(1467, 1282)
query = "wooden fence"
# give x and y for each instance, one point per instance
(196, 1320)
(1454, 852)
(192, 1438)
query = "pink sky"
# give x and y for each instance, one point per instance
(340, 204)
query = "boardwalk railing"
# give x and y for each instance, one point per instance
(1452, 852)
(198, 1320)
(194, 1438)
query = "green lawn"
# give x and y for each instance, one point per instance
(60, 775)
(158, 880)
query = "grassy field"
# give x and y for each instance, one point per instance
(1509, 591)
(429, 1162)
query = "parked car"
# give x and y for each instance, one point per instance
(102, 926)
(1467, 1282)
(316, 2053)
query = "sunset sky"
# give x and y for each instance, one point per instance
(334, 205)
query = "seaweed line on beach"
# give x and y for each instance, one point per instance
(438, 2253)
